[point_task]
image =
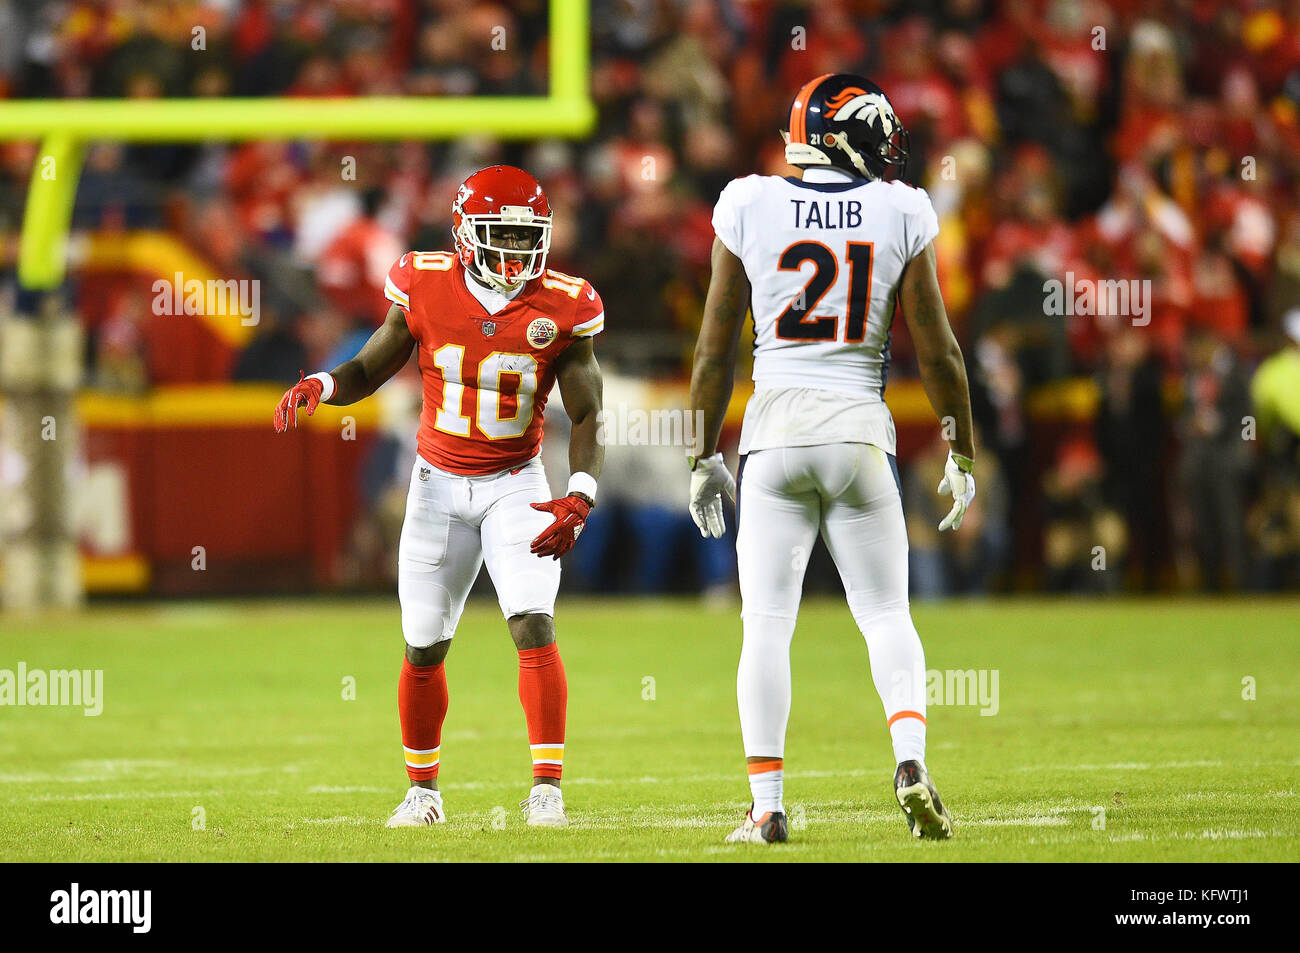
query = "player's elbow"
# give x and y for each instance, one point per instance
(711, 363)
(583, 413)
(353, 382)
(946, 363)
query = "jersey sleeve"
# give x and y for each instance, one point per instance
(920, 225)
(589, 316)
(397, 286)
(726, 217)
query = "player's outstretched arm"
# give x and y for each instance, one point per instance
(382, 356)
(943, 373)
(712, 378)
(387, 351)
(578, 375)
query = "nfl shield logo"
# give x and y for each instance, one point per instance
(489, 328)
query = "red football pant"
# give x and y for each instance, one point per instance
(422, 705)
(544, 693)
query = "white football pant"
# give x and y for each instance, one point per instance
(453, 525)
(849, 494)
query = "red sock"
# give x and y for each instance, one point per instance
(544, 692)
(422, 705)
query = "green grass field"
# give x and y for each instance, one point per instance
(1134, 707)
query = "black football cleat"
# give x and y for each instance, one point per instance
(926, 815)
(771, 828)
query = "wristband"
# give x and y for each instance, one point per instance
(583, 483)
(964, 464)
(327, 384)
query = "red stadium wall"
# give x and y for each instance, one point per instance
(204, 468)
(273, 512)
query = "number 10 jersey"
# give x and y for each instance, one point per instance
(486, 376)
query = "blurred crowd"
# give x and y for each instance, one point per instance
(1156, 140)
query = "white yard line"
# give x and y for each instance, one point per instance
(1151, 765)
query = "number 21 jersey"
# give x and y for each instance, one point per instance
(824, 256)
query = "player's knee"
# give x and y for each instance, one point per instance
(428, 655)
(428, 615)
(781, 601)
(424, 626)
(871, 616)
(532, 631)
(528, 591)
(765, 632)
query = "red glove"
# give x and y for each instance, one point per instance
(305, 393)
(570, 514)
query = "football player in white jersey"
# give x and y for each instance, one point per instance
(821, 261)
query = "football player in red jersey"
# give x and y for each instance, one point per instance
(494, 330)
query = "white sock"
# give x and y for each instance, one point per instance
(898, 670)
(908, 736)
(766, 787)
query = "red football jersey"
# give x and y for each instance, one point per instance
(486, 376)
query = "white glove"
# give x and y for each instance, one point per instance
(710, 478)
(961, 484)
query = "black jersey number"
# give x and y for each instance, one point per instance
(796, 322)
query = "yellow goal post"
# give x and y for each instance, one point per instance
(63, 127)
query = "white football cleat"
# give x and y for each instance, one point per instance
(419, 808)
(771, 828)
(544, 807)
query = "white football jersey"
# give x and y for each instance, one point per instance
(823, 256)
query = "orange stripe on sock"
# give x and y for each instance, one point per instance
(760, 767)
(905, 714)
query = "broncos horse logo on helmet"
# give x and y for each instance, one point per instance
(845, 121)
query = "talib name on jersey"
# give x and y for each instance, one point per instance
(828, 213)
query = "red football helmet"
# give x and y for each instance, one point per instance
(501, 196)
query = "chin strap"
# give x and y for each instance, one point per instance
(854, 156)
(802, 154)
